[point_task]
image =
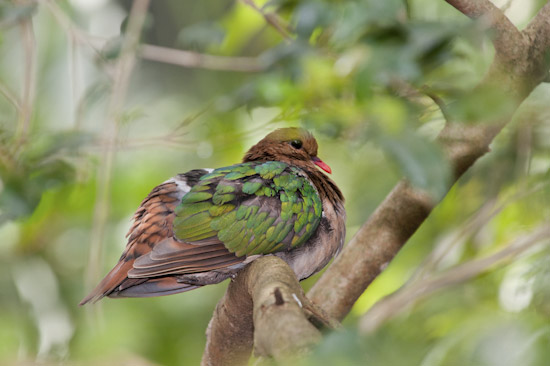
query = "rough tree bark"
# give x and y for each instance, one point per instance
(520, 64)
(260, 304)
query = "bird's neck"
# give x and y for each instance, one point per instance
(326, 187)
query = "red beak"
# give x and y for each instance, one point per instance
(321, 164)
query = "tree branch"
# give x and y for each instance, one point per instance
(404, 209)
(155, 53)
(402, 299)
(540, 25)
(538, 34)
(262, 307)
(371, 249)
(505, 33)
(200, 60)
(76, 34)
(471, 227)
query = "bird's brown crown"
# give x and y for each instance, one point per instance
(291, 145)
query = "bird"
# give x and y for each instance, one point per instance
(201, 227)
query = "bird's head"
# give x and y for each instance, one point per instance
(293, 145)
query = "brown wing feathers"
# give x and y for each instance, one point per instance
(153, 257)
(187, 259)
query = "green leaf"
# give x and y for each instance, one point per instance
(421, 161)
(483, 104)
(310, 15)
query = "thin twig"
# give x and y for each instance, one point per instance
(409, 91)
(74, 74)
(272, 19)
(157, 53)
(29, 84)
(10, 97)
(75, 33)
(483, 216)
(469, 228)
(199, 60)
(123, 69)
(438, 101)
(403, 298)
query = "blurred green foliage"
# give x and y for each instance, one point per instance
(356, 74)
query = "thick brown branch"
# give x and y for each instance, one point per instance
(538, 34)
(262, 307)
(505, 33)
(370, 250)
(230, 333)
(540, 26)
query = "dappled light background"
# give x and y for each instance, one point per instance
(80, 147)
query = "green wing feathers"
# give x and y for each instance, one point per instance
(252, 208)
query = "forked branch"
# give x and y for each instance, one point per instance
(505, 33)
(262, 308)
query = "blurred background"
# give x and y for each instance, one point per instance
(90, 124)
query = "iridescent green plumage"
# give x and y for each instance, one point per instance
(202, 227)
(252, 208)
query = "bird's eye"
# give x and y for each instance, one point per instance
(297, 144)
